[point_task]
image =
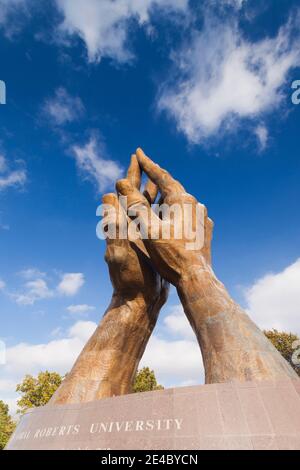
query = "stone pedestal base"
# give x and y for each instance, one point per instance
(251, 415)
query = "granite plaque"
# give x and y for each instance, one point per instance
(250, 415)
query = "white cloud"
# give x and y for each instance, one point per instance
(223, 78)
(274, 300)
(57, 355)
(175, 362)
(177, 323)
(63, 108)
(221, 4)
(173, 352)
(94, 167)
(31, 273)
(71, 283)
(82, 330)
(37, 288)
(15, 178)
(34, 290)
(238, 4)
(262, 135)
(80, 309)
(2, 284)
(104, 25)
(11, 178)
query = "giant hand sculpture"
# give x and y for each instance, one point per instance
(108, 363)
(233, 347)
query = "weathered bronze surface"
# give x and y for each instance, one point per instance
(233, 347)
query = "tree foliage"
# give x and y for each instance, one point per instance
(145, 381)
(283, 342)
(37, 391)
(7, 425)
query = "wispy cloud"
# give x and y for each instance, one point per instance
(3, 225)
(238, 4)
(63, 108)
(3, 164)
(12, 15)
(262, 135)
(38, 286)
(71, 283)
(11, 178)
(35, 290)
(221, 78)
(31, 273)
(104, 25)
(80, 309)
(93, 166)
(15, 178)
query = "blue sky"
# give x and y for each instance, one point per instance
(205, 88)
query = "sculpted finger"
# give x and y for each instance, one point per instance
(134, 172)
(125, 188)
(151, 191)
(138, 206)
(115, 215)
(111, 199)
(165, 182)
(110, 210)
(209, 227)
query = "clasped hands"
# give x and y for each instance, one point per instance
(140, 272)
(145, 265)
(232, 346)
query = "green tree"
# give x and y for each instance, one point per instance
(37, 391)
(145, 381)
(7, 425)
(283, 342)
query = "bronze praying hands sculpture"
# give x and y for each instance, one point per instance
(232, 346)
